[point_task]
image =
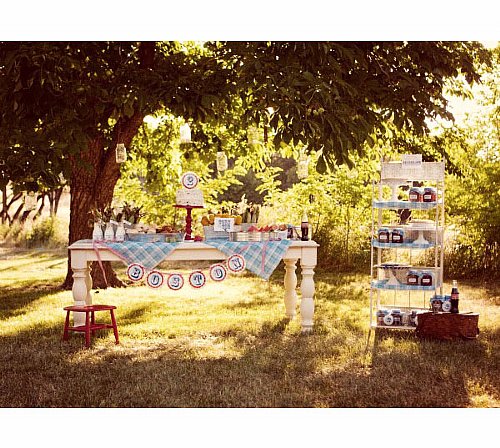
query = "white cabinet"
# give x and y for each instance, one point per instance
(407, 242)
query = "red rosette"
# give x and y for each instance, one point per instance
(197, 279)
(155, 279)
(135, 272)
(175, 281)
(189, 180)
(236, 263)
(218, 272)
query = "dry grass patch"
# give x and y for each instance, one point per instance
(229, 346)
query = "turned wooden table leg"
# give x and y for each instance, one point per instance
(290, 288)
(307, 301)
(82, 282)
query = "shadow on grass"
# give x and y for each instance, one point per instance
(268, 369)
(14, 299)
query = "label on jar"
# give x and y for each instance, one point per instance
(412, 280)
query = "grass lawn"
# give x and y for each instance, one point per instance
(229, 346)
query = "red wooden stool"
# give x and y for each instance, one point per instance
(90, 324)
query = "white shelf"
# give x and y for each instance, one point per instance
(396, 175)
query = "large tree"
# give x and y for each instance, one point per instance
(76, 101)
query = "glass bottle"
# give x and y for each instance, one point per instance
(454, 297)
(304, 228)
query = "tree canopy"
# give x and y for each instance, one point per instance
(65, 105)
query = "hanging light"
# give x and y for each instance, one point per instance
(303, 166)
(185, 133)
(252, 136)
(121, 153)
(221, 161)
(30, 201)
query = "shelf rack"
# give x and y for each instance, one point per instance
(389, 293)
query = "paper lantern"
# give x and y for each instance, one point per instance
(252, 136)
(303, 167)
(185, 133)
(221, 161)
(30, 201)
(121, 153)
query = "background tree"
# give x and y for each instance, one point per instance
(76, 101)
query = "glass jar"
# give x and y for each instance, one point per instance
(412, 277)
(430, 194)
(397, 235)
(383, 235)
(427, 278)
(415, 194)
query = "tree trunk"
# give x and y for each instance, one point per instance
(57, 198)
(94, 186)
(4, 204)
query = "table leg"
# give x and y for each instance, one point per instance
(307, 301)
(290, 288)
(82, 282)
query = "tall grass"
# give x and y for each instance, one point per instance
(229, 346)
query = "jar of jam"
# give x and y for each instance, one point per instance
(413, 318)
(380, 317)
(415, 194)
(412, 277)
(426, 279)
(446, 305)
(383, 235)
(436, 303)
(430, 194)
(397, 235)
(396, 314)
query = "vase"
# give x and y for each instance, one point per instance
(109, 234)
(120, 232)
(97, 234)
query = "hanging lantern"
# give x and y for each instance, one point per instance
(303, 166)
(185, 133)
(30, 201)
(252, 136)
(121, 153)
(221, 161)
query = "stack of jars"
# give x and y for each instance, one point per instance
(426, 194)
(422, 278)
(386, 235)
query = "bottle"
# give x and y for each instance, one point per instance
(304, 228)
(454, 297)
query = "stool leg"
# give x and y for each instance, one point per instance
(115, 329)
(92, 321)
(87, 329)
(66, 326)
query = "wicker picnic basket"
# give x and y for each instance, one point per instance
(447, 326)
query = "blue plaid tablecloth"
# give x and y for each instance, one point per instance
(148, 255)
(261, 258)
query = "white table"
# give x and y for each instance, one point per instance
(83, 253)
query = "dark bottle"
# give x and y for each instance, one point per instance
(304, 228)
(454, 297)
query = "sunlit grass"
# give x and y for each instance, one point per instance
(229, 346)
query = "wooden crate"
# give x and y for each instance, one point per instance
(447, 326)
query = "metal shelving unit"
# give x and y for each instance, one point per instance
(422, 247)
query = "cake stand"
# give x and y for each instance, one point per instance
(394, 184)
(420, 227)
(189, 220)
(391, 268)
